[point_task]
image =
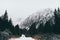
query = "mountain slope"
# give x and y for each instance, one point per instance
(39, 17)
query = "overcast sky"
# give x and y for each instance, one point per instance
(23, 8)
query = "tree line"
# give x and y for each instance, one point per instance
(48, 27)
(15, 30)
(7, 24)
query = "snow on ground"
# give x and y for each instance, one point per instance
(22, 38)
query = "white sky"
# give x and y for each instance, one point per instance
(23, 8)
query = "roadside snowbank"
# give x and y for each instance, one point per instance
(22, 38)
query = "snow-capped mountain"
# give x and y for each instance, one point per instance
(39, 17)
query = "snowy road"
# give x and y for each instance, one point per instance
(22, 38)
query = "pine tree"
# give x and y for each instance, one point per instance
(4, 21)
(5, 16)
(11, 26)
(57, 21)
(17, 29)
(58, 10)
(48, 28)
(40, 29)
(32, 29)
(1, 24)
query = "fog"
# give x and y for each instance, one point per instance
(20, 9)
